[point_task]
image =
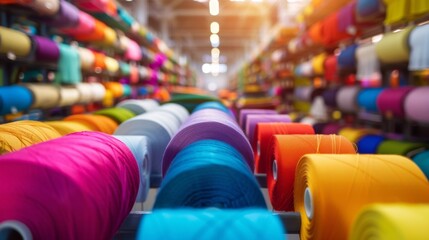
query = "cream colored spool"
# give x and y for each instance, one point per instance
(112, 65)
(14, 42)
(123, 42)
(85, 91)
(98, 91)
(69, 96)
(45, 95)
(87, 59)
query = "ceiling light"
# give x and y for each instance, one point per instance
(214, 27)
(214, 40)
(215, 52)
(214, 7)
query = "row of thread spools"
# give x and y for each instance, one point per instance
(405, 102)
(28, 96)
(208, 162)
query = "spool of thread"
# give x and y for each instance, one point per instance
(347, 19)
(396, 12)
(422, 160)
(158, 127)
(368, 65)
(138, 145)
(397, 41)
(391, 101)
(244, 112)
(94, 122)
(347, 99)
(208, 124)
(221, 167)
(331, 30)
(318, 64)
(408, 149)
(20, 134)
(116, 88)
(391, 221)
(369, 144)
(214, 105)
(118, 114)
(376, 179)
(287, 152)
(85, 93)
(67, 16)
(127, 90)
(191, 101)
(419, 48)
(14, 42)
(45, 7)
(93, 5)
(69, 96)
(110, 38)
(139, 106)
(315, 32)
(368, 10)
(253, 120)
(97, 34)
(331, 128)
(177, 110)
(125, 69)
(303, 93)
(46, 49)
(367, 99)
(265, 133)
(85, 25)
(68, 65)
(249, 224)
(45, 95)
(347, 57)
(330, 97)
(98, 91)
(112, 65)
(414, 105)
(133, 52)
(331, 68)
(99, 62)
(67, 127)
(353, 134)
(15, 98)
(90, 179)
(87, 59)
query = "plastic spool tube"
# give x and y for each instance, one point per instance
(265, 133)
(86, 184)
(138, 145)
(253, 120)
(251, 224)
(178, 110)
(94, 122)
(208, 124)
(347, 99)
(45, 95)
(139, 106)
(375, 179)
(67, 127)
(391, 101)
(287, 152)
(158, 127)
(244, 112)
(20, 134)
(415, 105)
(391, 221)
(228, 180)
(15, 98)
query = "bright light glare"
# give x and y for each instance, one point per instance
(215, 52)
(214, 7)
(214, 39)
(212, 86)
(377, 38)
(214, 27)
(214, 68)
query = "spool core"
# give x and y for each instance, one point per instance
(14, 230)
(308, 203)
(275, 170)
